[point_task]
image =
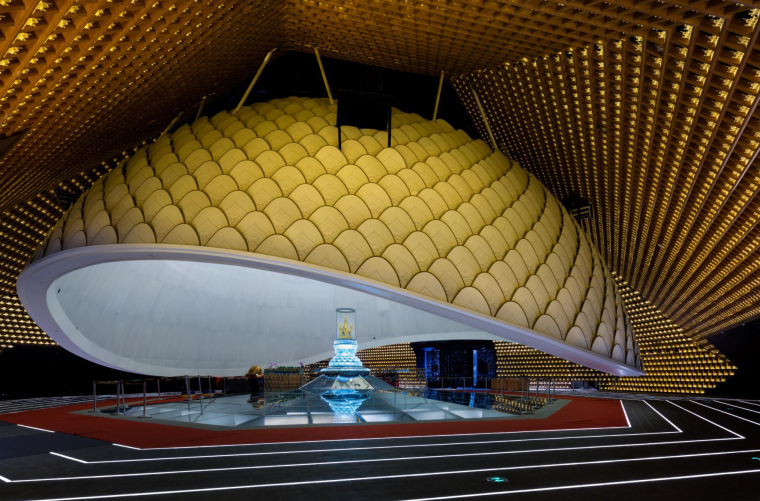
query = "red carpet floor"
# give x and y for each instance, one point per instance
(580, 412)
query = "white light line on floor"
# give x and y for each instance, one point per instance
(705, 419)
(290, 484)
(346, 449)
(728, 414)
(479, 470)
(749, 402)
(7, 481)
(577, 486)
(663, 417)
(625, 414)
(374, 438)
(33, 428)
(738, 407)
(738, 436)
(445, 444)
(68, 457)
(409, 458)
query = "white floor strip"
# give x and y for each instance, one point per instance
(578, 486)
(738, 407)
(33, 428)
(705, 419)
(387, 477)
(386, 438)
(313, 482)
(408, 458)
(727, 413)
(625, 413)
(445, 444)
(663, 417)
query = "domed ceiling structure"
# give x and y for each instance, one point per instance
(437, 224)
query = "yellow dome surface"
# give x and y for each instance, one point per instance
(437, 214)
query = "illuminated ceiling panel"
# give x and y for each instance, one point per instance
(658, 131)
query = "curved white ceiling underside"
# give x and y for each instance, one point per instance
(174, 310)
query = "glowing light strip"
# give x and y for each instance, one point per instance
(480, 442)
(372, 438)
(749, 402)
(663, 417)
(439, 456)
(409, 458)
(128, 447)
(33, 428)
(728, 414)
(289, 484)
(625, 414)
(6, 480)
(738, 407)
(578, 486)
(68, 457)
(705, 419)
(452, 472)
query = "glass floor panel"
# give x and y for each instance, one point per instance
(328, 400)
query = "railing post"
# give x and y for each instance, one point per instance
(200, 394)
(158, 382)
(94, 396)
(118, 398)
(145, 396)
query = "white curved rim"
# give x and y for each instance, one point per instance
(35, 281)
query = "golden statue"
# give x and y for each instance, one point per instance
(345, 329)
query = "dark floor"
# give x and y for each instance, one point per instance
(708, 449)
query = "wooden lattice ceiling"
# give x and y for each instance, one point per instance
(646, 108)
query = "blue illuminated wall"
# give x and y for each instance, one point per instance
(445, 362)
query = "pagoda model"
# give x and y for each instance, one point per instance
(345, 363)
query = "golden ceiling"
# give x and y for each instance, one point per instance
(660, 134)
(645, 108)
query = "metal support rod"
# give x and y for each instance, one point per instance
(253, 82)
(324, 77)
(118, 398)
(200, 394)
(485, 119)
(145, 396)
(123, 398)
(438, 97)
(187, 389)
(158, 382)
(200, 108)
(169, 127)
(94, 396)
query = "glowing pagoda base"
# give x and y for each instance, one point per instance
(345, 363)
